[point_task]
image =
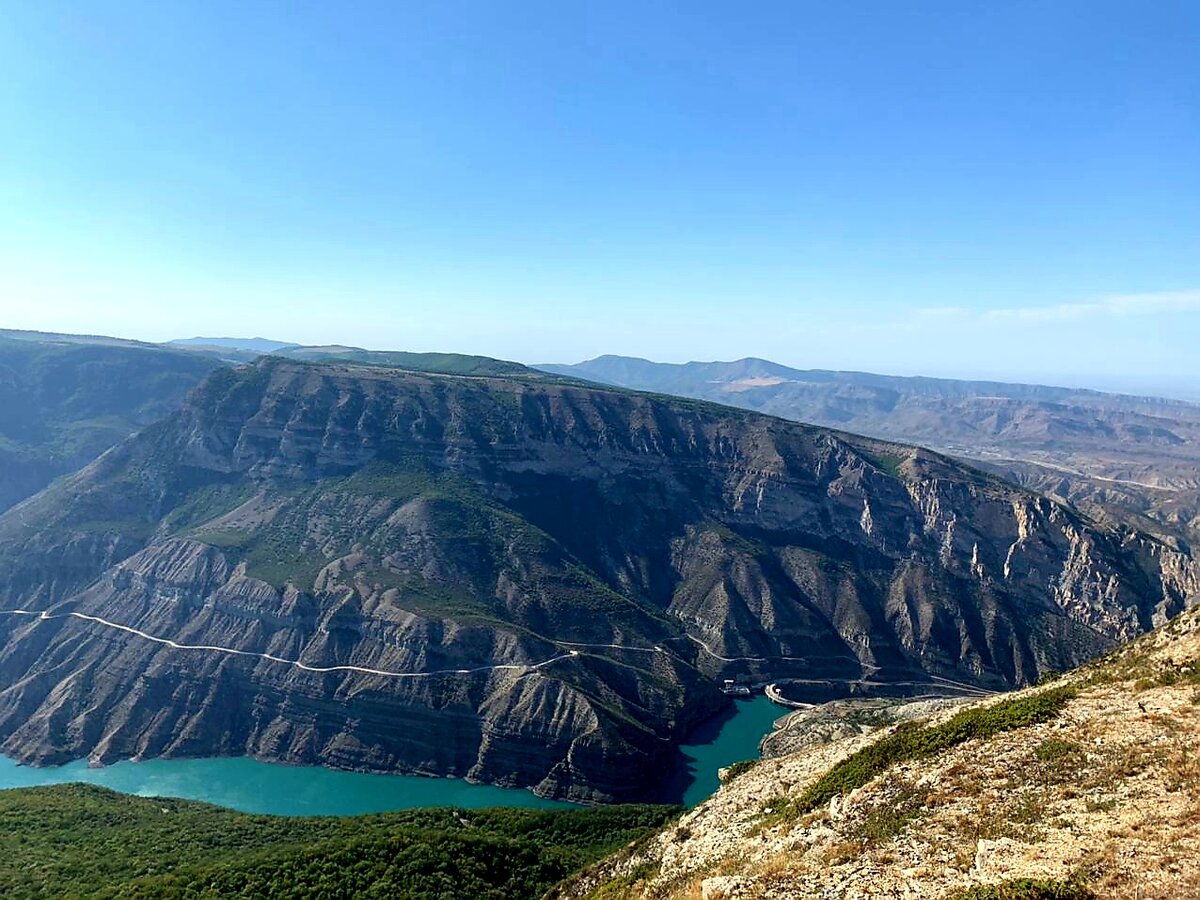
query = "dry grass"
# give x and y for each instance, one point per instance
(1104, 796)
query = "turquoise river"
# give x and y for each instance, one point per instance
(258, 787)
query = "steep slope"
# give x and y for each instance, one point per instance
(66, 399)
(1083, 442)
(1171, 512)
(516, 580)
(1089, 787)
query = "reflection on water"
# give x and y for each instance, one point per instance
(729, 737)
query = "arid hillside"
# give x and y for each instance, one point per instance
(1085, 787)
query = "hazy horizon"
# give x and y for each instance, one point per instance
(1167, 386)
(946, 189)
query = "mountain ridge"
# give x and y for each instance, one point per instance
(70, 397)
(1120, 457)
(748, 366)
(376, 519)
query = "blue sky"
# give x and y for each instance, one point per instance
(1006, 189)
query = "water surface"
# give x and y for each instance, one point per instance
(258, 787)
(721, 741)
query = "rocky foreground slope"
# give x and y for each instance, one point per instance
(1086, 787)
(517, 580)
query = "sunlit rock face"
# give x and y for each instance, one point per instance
(517, 580)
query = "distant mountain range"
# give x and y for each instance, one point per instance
(1121, 458)
(252, 345)
(950, 415)
(1132, 458)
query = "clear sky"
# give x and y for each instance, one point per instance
(999, 188)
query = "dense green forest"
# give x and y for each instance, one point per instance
(84, 841)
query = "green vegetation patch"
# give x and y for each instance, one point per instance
(84, 841)
(207, 503)
(739, 768)
(622, 885)
(911, 741)
(427, 598)
(1188, 674)
(887, 462)
(226, 538)
(280, 559)
(1056, 752)
(402, 480)
(1133, 664)
(891, 818)
(432, 363)
(1028, 889)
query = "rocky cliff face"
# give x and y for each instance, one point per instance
(516, 581)
(1133, 460)
(1165, 506)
